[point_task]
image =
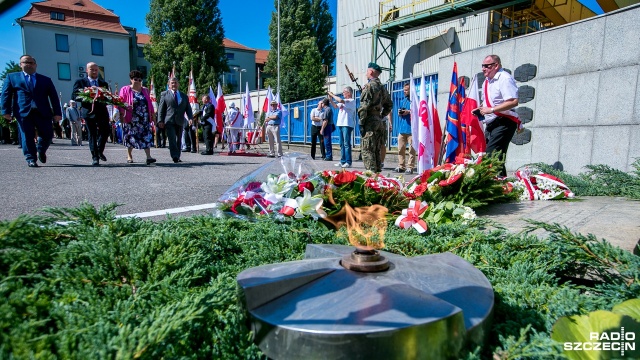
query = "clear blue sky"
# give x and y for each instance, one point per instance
(246, 22)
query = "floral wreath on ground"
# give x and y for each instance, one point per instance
(440, 195)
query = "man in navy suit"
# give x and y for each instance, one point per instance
(33, 100)
(95, 114)
(174, 107)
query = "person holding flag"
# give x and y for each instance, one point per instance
(500, 96)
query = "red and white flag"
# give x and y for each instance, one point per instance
(434, 122)
(267, 100)
(426, 150)
(152, 96)
(193, 99)
(221, 106)
(473, 142)
(248, 109)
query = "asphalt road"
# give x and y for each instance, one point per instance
(68, 179)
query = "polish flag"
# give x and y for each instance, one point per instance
(152, 96)
(221, 106)
(472, 133)
(267, 100)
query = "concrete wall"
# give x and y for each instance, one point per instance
(39, 41)
(586, 108)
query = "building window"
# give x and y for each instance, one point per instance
(57, 16)
(96, 47)
(231, 56)
(140, 52)
(64, 71)
(62, 43)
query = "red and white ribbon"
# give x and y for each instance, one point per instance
(411, 217)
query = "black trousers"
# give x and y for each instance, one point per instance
(161, 135)
(315, 135)
(207, 134)
(98, 132)
(498, 134)
(190, 138)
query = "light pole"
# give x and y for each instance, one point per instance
(241, 71)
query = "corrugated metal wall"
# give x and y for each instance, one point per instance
(354, 15)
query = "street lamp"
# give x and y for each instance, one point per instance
(240, 86)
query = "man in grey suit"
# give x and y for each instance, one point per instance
(174, 105)
(33, 100)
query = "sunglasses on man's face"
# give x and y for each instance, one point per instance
(487, 66)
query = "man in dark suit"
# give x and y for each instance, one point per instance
(95, 114)
(174, 105)
(208, 124)
(33, 100)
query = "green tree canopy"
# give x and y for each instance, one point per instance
(189, 34)
(306, 44)
(10, 67)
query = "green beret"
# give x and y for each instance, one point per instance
(375, 67)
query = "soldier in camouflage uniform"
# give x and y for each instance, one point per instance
(375, 104)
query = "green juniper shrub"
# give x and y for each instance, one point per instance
(101, 287)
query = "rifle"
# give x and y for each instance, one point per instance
(353, 78)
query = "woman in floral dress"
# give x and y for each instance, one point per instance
(137, 117)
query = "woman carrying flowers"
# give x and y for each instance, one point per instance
(137, 117)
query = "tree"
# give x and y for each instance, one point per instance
(189, 34)
(322, 25)
(10, 67)
(306, 46)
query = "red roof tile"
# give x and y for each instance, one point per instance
(143, 39)
(261, 56)
(234, 45)
(78, 13)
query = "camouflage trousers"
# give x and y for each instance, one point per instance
(372, 142)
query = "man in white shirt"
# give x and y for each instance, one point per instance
(235, 122)
(500, 96)
(346, 123)
(317, 116)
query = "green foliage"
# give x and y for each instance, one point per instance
(10, 67)
(306, 46)
(578, 329)
(189, 34)
(100, 287)
(600, 180)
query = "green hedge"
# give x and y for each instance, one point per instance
(101, 287)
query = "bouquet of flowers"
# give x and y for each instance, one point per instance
(533, 184)
(359, 189)
(473, 184)
(100, 95)
(288, 189)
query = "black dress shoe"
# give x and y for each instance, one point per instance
(186, 150)
(95, 162)
(150, 161)
(32, 164)
(176, 160)
(102, 157)
(194, 151)
(206, 153)
(42, 157)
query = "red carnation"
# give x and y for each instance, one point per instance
(420, 189)
(450, 181)
(305, 185)
(344, 177)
